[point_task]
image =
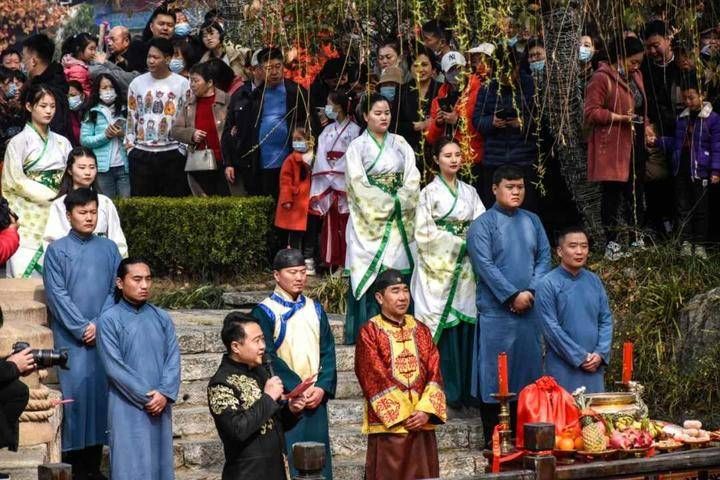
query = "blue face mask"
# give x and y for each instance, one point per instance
(12, 91)
(388, 92)
(512, 41)
(177, 65)
(585, 54)
(300, 146)
(330, 112)
(75, 102)
(537, 67)
(183, 29)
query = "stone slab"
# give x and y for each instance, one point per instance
(199, 366)
(245, 299)
(347, 386)
(345, 411)
(24, 312)
(192, 421)
(193, 393)
(17, 289)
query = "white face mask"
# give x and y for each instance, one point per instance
(330, 112)
(108, 96)
(75, 102)
(300, 146)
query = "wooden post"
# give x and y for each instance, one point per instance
(309, 460)
(55, 471)
(542, 465)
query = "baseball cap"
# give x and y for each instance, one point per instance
(452, 59)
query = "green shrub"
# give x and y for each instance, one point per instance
(201, 238)
(647, 292)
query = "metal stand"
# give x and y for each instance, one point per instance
(506, 445)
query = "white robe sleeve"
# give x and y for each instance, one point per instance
(15, 180)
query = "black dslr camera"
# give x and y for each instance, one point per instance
(6, 215)
(44, 358)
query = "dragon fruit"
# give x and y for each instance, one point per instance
(630, 438)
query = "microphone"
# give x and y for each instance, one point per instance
(267, 362)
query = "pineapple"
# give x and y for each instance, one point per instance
(593, 433)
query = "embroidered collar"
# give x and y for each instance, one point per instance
(394, 323)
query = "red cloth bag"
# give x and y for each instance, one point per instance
(546, 401)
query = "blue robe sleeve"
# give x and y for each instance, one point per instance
(557, 338)
(542, 256)
(170, 381)
(605, 326)
(327, 376)
(128, 382)
(480, 251)
(289, 378)
(64, 310)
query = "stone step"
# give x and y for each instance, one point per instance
(199, 366)
(345, 411)
(24, 312)
(198, 331)
(22, 465)
(454, 464)
(18, 289)
(345, 358)
(196, 420)
(192, 421)
(205, 450)
(199, 474)
(348, 441)
(234, 299)
(347, 386)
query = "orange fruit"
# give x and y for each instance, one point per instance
(579, 445)
(567, 444)
(557, 441)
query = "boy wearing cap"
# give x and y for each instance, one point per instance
(453, 107)
(398, 367)
(300, 345)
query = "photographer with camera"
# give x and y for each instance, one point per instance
(13, 394)
(9, 237)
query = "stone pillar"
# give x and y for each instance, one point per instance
(25, 319)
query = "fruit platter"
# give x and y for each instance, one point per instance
(625, 432)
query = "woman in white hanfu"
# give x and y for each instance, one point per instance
(81, 172)
(383, 185)
(328, 198)
(34, 163)
(443, 282)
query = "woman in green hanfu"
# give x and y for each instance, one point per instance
(383, 185)
(34, 163)
(443, 283)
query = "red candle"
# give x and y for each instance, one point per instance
(627, 368)
(502, 374)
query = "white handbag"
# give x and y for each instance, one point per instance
(199, 160)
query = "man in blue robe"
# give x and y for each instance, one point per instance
(79, 275)
(140, 352)
(300, 344)
(510, 254)
(576, 318)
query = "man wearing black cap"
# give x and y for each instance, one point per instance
(300, 345)
(398, 367)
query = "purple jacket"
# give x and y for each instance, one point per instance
(704, 146)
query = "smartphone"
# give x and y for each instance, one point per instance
(120, 123)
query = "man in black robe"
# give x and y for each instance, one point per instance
(245, 401)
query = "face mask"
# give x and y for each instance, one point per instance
(12, 91)
(108, 96)
(183, 29)
(585, 54)
(512, 41)
(452, 77)
(330, 112)
(537, 67)
(24, 68)
(177, 65)
(75, 102)
(300, 146)
(706, 50)
(388, 92)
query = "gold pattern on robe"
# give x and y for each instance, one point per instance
(221, 398)
(249, 394)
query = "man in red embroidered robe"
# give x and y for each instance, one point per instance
(398, 367)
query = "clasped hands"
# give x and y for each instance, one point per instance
(522, 302)
(592, 362)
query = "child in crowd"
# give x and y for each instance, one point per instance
(103, 130)
(328, 197)
(81, 172)
(294, 196)
(78, 51)
(696, 163)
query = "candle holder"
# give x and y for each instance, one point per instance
(506, 445)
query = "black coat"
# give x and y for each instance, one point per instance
(13, 399)
(54, 78)
(410, 108)
(240, 137)
(250, 423)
